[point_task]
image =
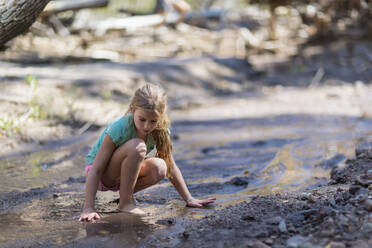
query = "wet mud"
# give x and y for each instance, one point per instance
(40, 207)
(338, 214)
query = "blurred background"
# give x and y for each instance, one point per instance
(265, 96)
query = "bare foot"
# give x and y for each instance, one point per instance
(133, 209)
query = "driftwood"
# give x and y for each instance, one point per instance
(134, 22)
(61, 6)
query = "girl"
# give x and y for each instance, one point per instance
(118, 160)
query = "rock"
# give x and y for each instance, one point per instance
(248, 217)
(367, 227)
(363, 180)
(361, 197)
(186, 234)
(329, 232)
(353, 189)
(275, 221)
(332, 201)
(207, 150)
(359, 244)
(239, 181)
(332, 162)
(368, 205)
(304, 196)
(283, 226)
(259, 244)
(296, 241)
(269, 241)
(335, 244)
(311, 199)
(364, 150)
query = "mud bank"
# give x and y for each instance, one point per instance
(335, 215)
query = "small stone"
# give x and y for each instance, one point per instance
(186, 234)
(239, 181)
(296, 241)
(368, 205)
(360, 244)
(335, 244)
(332, 201)
(327, 232)
(367, 227)
(248, 217)
(354, 189)
(276, 220)
(259, 244)
(304, 196)
(269, 241)
(55, 195)
(283, 226)
(311, 199)
(363, 180)
(206, 150)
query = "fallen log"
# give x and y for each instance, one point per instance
(56, 7)
(134, 22)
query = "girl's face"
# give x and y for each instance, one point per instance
(144, 121)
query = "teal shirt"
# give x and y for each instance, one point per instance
(120, 131)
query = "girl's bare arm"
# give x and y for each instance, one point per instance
(95, 173)
(181, 187)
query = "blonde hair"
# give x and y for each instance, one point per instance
(152, 98)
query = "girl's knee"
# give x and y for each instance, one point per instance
(137, 147)
(159, 170)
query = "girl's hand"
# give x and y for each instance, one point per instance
(89, 215)
(196, 203)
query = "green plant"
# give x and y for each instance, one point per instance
(8, 126)
(36, 108)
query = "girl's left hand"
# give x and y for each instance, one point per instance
(196, 203)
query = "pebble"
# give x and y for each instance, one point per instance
(283, 226)
(332, 201)
(276, 220)
(335, 244)
(304, 196)
(368, 205)
(259, 244)
(354, 188)
(311, 199)
(239, 181)
(269, 241)
(327, 232)
(296, 241)
(186, 234)
(360, 244)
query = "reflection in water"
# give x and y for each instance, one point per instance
(131, 228)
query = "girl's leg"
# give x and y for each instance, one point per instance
(127, 166)
(153, 170)
(124, 167)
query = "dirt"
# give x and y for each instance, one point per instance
(285, 121)
(334, 215)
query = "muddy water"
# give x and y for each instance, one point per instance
(231, 159)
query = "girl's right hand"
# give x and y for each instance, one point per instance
(89, 216)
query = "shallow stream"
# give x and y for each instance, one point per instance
(231, 159)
